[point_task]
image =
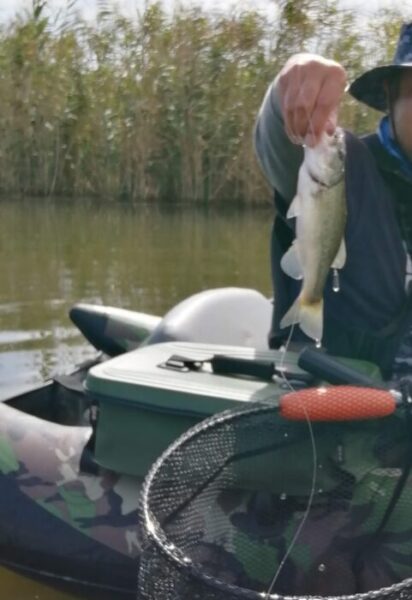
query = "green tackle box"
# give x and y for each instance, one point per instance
(150, 396)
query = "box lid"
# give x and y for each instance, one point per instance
(139, 377)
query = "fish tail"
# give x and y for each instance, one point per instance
(311, 319)
(309, 315)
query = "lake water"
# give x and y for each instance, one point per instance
(54, 254)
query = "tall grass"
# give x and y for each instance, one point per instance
(158, 108)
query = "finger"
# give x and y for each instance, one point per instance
(288, 103)
(294, 136)
(304, 106)
(296, 92)
(332, 122)
(325, 111)
(300, 97)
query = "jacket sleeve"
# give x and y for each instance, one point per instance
(278, 157)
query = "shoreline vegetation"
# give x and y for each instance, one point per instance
(160, 108)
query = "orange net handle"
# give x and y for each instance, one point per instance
(337, 403)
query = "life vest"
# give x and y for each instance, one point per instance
(367, 318)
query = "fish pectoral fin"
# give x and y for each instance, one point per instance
(294, 208)
(340, 257)
(291, 263)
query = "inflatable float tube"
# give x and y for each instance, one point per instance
(64, 517)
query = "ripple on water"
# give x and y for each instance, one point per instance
(16, 337)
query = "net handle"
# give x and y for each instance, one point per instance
(328, 368)
(338, 403)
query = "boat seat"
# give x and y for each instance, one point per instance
(231, 316)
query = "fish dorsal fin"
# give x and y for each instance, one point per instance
(291, 263)
(294, 208)
(340, 257)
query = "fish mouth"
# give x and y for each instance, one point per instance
(324, 184)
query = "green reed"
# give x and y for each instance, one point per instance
(161, 107)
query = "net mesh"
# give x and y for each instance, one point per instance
(221, 507)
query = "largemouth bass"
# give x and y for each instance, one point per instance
(320, 211)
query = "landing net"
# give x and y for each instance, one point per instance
(221, 507)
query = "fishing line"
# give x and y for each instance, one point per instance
(298, 531)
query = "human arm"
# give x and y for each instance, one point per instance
(278, 157)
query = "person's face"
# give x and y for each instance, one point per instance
(402, 113)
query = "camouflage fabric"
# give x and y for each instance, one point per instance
(43, 461)
(57, 521)
(236, 533)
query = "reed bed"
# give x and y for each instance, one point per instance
(161, 107)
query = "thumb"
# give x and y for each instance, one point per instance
(332, 122)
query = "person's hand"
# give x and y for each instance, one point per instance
(310, 88)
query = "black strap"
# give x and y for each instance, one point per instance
(221, 364)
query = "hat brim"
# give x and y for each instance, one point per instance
(369, 88)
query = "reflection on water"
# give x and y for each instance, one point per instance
(53, 255)
(143, 258)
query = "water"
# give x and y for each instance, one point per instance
(56, 254)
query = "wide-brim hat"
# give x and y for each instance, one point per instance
(369, 87)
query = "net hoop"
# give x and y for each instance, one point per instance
(174, 555)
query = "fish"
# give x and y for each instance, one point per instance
(320, 210)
